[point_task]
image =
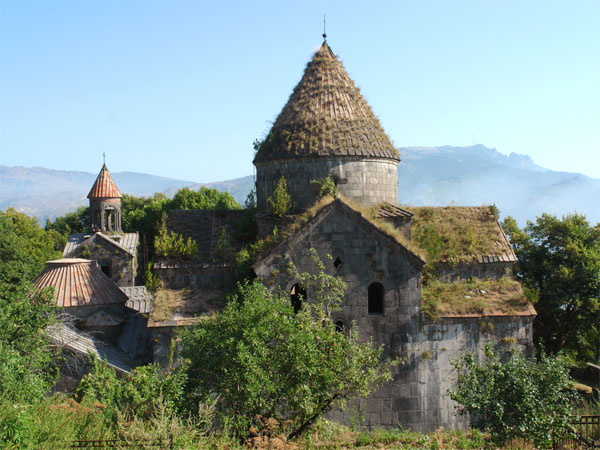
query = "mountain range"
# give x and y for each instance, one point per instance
(433, 176)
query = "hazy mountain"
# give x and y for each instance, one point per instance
(47, 193)
(478, 175)
(436, 176)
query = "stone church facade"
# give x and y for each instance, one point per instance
(327, 130)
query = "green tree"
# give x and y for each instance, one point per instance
(260, 358)
(172, 245)
(519, 398)
(70, 223)
(24, 249)
(280, 201)
(559, 264)
(27, 360)
(204, 198)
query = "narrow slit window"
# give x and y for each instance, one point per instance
(376, 298)
(337, 263)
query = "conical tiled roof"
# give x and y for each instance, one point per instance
(326, 115)
(79, 282)
(105, 186)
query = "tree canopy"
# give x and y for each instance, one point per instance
(262, 359)
(516, 398)
(559, 264)
(24, 248)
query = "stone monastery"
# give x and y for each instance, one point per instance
(427, 283)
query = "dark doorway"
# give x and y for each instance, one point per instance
(297, 296)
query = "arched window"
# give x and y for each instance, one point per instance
(375, 298)
(340, 327)
(297, 296)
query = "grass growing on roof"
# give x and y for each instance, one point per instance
(457, 233)
(474, 296)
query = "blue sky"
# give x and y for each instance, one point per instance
(182, 88)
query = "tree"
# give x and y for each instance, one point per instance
(259, 358)
(73, 222)
(172, 245)
(205, 198)
(280, 201)
(559, 264)
(24, 249)
(520, 398)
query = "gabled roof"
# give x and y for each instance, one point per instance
(79, 282)
(326, 115)
(104, 186)
(84, 344)
(127, 242)
(460, 233)
(387, 239)
(387, 210)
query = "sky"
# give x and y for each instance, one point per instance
(181, 89)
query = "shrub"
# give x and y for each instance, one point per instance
(259, 358)
(280, 201)
(519, 398)
(172, 245)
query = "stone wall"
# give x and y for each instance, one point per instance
(367, 181)
(416, 398)
(193, 275)
(206, 228)
(116, 263)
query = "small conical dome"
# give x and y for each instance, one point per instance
(326, 115)
(105, 186)
(79, 282)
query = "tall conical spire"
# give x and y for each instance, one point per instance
(326, 115)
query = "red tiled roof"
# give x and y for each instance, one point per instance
(79, 282)
(104, 186)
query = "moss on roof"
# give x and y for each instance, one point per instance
(475, 296)
(326, 115)
(458, 233)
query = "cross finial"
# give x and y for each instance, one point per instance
(324, 32)
(104, 157)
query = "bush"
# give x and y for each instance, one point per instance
(139, 394)
(259, 358)
(280, 201)
(172, 245)
(519, 398)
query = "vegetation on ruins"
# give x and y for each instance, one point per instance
(325, 186)
(515, 397)
(473, 296)
(172, 245)
(259, 358)
(456, 233)
(280, 201)
(559, 265)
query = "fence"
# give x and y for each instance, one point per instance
(114, 444)
(586, 435)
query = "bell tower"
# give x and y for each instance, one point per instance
(105, 203)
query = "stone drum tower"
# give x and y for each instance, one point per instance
(327, 129)
(105, 203)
